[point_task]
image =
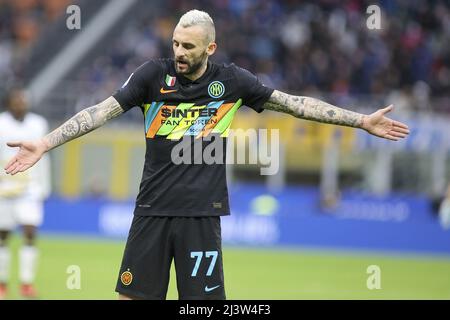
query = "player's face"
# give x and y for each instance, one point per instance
(191, 49)
(17, 104)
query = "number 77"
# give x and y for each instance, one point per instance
(199, 255)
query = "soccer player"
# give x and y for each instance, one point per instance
(178, 208)
(21, 196)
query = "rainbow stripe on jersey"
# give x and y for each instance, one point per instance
(174, 122)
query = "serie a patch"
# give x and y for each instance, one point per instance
(126, 277)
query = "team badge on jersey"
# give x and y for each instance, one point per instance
(216, 89)
(126, 277)
(170, 81)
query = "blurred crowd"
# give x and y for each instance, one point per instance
(309, 47)
(21, 22)
(305, 47)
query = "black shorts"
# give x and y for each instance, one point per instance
(195, 245)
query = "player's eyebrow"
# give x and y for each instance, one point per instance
(184, 44)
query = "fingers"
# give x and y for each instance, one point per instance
(25, 167)
(14, 166)
(399, 124)
(14, 144)
(10, 163)
(398, 129)
(387, 109)
(10, 168)
(401, 130)
(398, 134)
(19, 168)
(390, 137)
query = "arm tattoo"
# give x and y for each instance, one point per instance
(84, 122)
(313, 109)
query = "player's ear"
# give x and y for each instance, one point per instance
(211, 48)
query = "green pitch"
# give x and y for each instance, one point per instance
(249, 273)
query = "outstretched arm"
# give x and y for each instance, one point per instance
(83, 122)
(317, 110)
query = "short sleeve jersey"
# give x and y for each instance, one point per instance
(186, 127)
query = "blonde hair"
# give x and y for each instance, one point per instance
(199, 18)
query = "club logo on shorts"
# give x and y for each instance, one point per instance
(126, 277)
(216, 89)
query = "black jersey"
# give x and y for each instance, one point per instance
(200, 112)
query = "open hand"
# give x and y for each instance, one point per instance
(29, 153)
(383, 127)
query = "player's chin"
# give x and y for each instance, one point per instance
(183, 70)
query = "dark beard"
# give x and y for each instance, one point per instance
(194, 68)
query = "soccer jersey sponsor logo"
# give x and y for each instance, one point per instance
(187, 119)
(208, 112)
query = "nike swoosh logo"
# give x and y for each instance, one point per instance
(163, 91)
(211, 289)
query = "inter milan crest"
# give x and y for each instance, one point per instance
(216, 89)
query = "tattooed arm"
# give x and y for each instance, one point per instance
(83, 122)
(320, 111)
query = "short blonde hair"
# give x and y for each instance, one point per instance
(199, 18)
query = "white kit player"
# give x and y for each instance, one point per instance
(21, 196)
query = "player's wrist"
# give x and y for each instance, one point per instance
(363, 122)
(44, 143)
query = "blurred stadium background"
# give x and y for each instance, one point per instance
(342, 200)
